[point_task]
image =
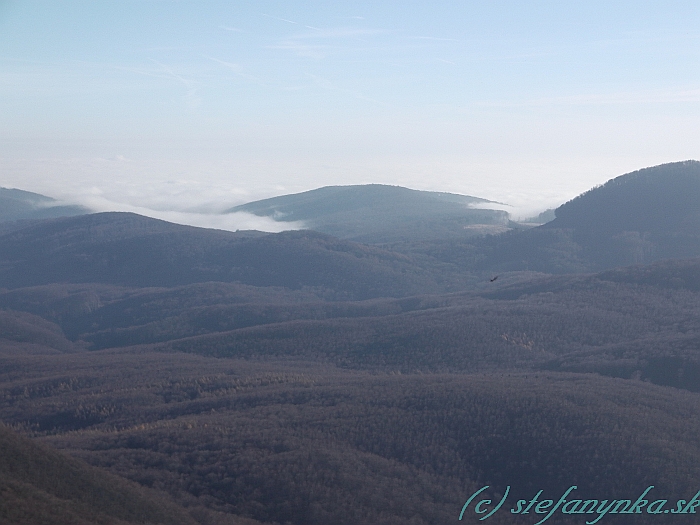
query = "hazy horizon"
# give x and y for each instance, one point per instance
(179, 109)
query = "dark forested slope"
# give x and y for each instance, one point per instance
(640, 217)
(127, 249)
(660, 199)
(304, 444)
(40, 485)
(628, 322)
(298, 378)
(521, 328)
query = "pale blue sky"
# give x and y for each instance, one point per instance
(174, 105)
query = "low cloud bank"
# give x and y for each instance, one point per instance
(202, 219)
(520, 211)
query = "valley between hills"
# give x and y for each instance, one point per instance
(376, 368)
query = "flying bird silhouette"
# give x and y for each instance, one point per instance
(492, 280)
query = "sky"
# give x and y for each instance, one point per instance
(179, 109)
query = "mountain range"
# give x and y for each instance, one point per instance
(362, 371)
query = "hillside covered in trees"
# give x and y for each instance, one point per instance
(638, 218)
(156, 373)
(376, 213)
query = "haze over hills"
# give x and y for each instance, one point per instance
(126, 249)
(17, 205)
(367, 213)
(304, 379)
(376, 213)
(637, 218)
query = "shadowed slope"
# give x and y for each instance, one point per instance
(131, 250)
(40, 485)
(640, 217)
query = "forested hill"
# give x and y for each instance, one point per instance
(637, 218)
(128, 249)
(663, 199)
(41, 485)
(375, 213)
(298, 378)
(17, 204)
(640, 217)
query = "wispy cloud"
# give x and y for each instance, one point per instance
(290, 21)
(326, 84)
(435, 38)
(603, 99)
(280, 19)
(145, 71)
(236, 68)
(302, 50)
(191, 97)
(321, 42)
(298, 43)
(341, 32)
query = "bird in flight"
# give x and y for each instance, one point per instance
(492, 280)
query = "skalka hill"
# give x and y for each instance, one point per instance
(376, 213)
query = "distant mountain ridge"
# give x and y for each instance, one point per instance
(18, 204)
(376, 213)
(431, 241)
